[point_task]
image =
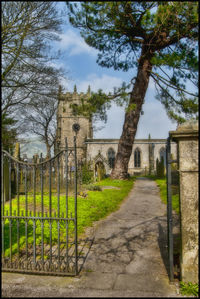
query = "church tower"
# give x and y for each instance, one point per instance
(66, 119)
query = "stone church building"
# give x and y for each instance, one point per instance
(102, 152)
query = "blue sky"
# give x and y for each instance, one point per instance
(80, 61)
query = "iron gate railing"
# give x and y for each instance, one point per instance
(39, 215)
(169, 161)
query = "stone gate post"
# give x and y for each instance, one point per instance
(186, 137)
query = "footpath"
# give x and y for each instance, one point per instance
(128, 257)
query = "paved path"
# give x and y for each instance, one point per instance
(127, 258)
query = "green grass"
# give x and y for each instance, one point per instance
(99, 204)
(95, 206)
(162, 184)
(189, 288)
(163, 194)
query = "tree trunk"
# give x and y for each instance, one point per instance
(120, 170)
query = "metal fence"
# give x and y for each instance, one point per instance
(39, 214)
(170, 181)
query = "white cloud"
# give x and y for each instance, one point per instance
(151, 85)
(75, 44)
(154, 121)
(56, 64)
(113, 127)
(104, 82)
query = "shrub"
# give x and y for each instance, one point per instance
(160, 168)
(87, 173)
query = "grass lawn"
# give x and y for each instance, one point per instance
(99, 204)
(162, 184)
(94, 206)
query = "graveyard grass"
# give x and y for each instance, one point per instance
(191, 289)
(93, 207)
(162, 184)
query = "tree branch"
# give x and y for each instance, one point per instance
(165, 81)
(165, 90)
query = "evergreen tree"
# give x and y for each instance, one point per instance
(159, 40)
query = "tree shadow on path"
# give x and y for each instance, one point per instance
(84, 247)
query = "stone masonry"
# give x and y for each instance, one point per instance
(96, 150)
(186, 137)
(66, 119)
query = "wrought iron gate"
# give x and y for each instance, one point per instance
(169, 161)
(39, 215)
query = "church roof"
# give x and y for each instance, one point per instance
(116, 141)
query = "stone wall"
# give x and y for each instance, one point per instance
(186, 137)
(89, 148)
(103, 145)
(66, 119)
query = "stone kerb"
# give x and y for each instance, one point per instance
(186, 137)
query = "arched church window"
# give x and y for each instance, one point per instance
(111, 157)
(163, 155)
(137, 158)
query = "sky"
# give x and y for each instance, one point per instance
(79, 62)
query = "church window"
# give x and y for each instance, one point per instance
(137, 158)
(111, 157)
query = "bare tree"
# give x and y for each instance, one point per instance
(29, 79)
(39, 118)
(28, 29)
